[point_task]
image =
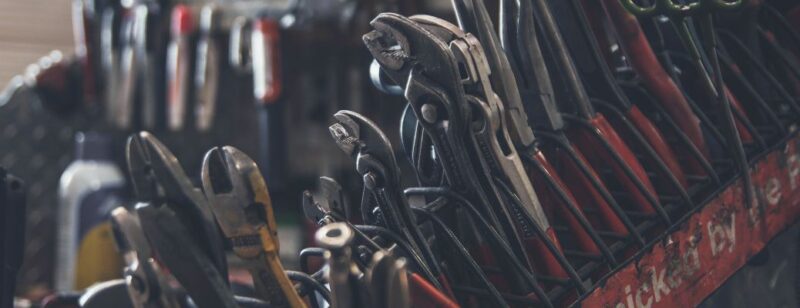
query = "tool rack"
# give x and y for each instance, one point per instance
(682, 265)
(684, 252)
(677, 260)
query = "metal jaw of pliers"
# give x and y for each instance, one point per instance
(411, 55)
(521, 44)
(239, 197)
(178, 222)
(491, 129)
(329, 206)
(473, 17)
(147, 285)
(674, 8)
(375, 162)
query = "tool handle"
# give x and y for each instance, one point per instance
(266, 61)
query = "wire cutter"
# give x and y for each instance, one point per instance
(239, 198)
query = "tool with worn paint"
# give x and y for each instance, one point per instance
(241, 203)
(178, 222)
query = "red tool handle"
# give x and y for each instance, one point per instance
(267, 84)
(552, 202)
(425, 295)
(656, 79)
(575, 179)
(656, 140)
(588, 143)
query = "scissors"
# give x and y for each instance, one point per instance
(704, 11)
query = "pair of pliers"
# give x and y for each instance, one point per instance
(373, 154)
(704, 10)
(178, 222)
(409, 55)
(240, 200)
(146, 283)
(673, 9)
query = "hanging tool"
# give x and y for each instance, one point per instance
(178, 70)
(240, 200)
(207, 67)
(601, 85)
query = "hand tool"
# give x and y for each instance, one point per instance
(145, 41)
(85, 46)
(468, 272)
(593, 130)
(473, 18)
(207, 67)
(702, 68)
(123, 88)
(147, 286)
(109, 61)
(178, 57)
(330, 207)
(518, 30)
(502, 250)
(602, 85)
(342, 274)
(654, 76)
(492, 136)
(703, 11)
(375, 162)
(240, 201)
(178, 222)
(388, 282)
(12, 234)
(766, 90)
(112, 293)
(436, 97)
